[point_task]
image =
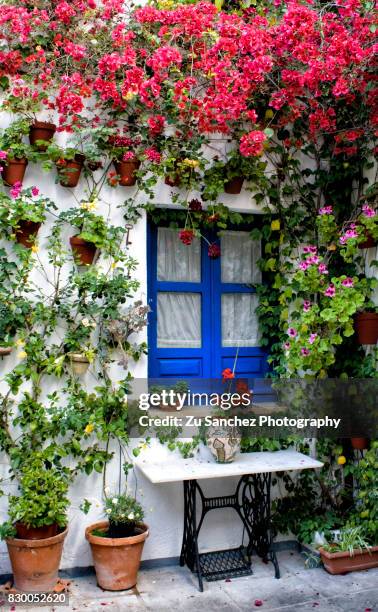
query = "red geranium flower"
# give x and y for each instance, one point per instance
(186, 236)
(228, 374)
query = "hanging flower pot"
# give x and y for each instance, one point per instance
(5, 350)
(366, 326)
(126, 171)
(84, 251)
(360, 443)
(234, 186)
(41, 130)
(79, 363)
(26, 232)
(116, 560)
(14, 171)
(69, 170)
(36, 533)
(35, 563)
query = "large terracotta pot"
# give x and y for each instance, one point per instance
(35, 563)
(343, 562)
(116, 560)
(360, 443)
(366, 326)
(126, 171)
(26, 232)
(14, 171)
(41, 130)
(234, 186)
(36, 533)
(69, 171)
(84, 251)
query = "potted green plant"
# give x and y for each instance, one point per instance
(12, 316)
(22, 213)
(37, 526)
(92, 235)
(117, 543)
(69, 163)
(123, 150)
(77, 345)
(171, 405)
(351, 552)
(18, 153)
(366, 326)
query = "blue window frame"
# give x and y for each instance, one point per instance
(211, 349)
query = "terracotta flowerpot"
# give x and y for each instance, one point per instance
(36, 533)
(173, 180)
(234, 186)
(84, 251)
(35, 563)
(41, 130)
(69, 172)
(14, 171)
(26, 232)
(116, 560)
(79, 363)
(360, 443)
(342, 562)
(5, 350)
(366, 326)
(126, 170)
(368, 243)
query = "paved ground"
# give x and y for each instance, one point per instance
(174, 588)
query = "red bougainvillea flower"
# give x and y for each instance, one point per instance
(228, 374)
(252, 144)
(186, 236)
(214, 251)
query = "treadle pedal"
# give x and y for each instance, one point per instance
(221, 564)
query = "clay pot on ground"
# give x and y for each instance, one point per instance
(366, 326)
(26, 232)
(14, 171)
(126, 171)
(79, 363)
(41, 130)
(116, 560)
(5, 350)
(69, 171)
(360, 443)
(36, 533)
(234, 186)
(343, 562)
(84, 251)
(35, 563)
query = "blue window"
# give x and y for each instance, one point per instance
(203, 309)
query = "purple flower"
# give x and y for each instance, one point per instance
(330, 291)
(305, 352)
(314, 259)
(368, 211)
(310, 249)
(348, 282)
(287, 346)
(292, 332)
(350, 233)
(3, 154)
(326, 210)
(312, 338)
(306, 305)
(322, 268)
(16, 189)
(303, 265)
(35, 191)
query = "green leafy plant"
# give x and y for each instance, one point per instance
(12, 141)
(349, 540)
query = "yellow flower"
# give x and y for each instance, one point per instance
(192, 163)
(35, 248)
(89, 428)
(89, 205)
(269, 114)
(114, 265)
(275, 226)
(341, 460)
(20, 342)
(129, 95)
(22, 355)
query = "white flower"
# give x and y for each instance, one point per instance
(131, 516)
(86, 322)
(108, 511)
(115, 500)
(107, 490)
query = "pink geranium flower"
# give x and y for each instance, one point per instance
(326, 210)
(348, 282)
(330, 291)
(368, 211)
(292, 332)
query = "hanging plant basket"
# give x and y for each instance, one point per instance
(26, 233)
(69, 171)
(234, 186)
(116, 560)
(366, 326)
(126, 171)
(343, 562)
(35, 563)
(14, 171)
(84, 251)
(41, 130)
(79, 363)
(5, 350)
(360, 443)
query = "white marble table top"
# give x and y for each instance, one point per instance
(176, 469)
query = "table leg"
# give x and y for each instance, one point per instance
(189, 550)
(254, 490)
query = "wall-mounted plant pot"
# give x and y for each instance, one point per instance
(84, 251)
(173, 180)
(368, 243)
(126, 171)
(5, 350)
(36, 533)
(234, 186)
(35, 563)
(366, 326)
(69, 171)
(14, 171)
(343, 562)
(360, 443)
(116, 560)
(41, 130)
(79, 363)
(26, 233)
